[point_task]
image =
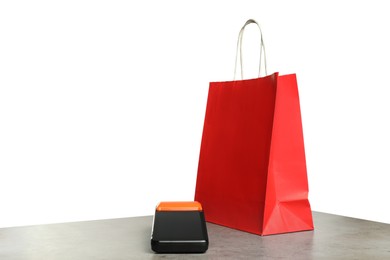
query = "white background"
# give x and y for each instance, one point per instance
(102, 102)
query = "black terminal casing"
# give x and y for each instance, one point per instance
(179, 232)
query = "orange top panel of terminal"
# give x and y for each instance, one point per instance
(179, 206)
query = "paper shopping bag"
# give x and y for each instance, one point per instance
(252, 169)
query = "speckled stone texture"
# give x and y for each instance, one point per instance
(334, 237)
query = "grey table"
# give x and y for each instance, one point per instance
(335, 237)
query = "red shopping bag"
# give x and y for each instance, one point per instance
(252, 169)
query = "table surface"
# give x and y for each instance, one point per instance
(334, 237)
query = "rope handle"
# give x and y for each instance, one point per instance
(239, 47)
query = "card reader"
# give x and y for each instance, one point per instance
(179, 227)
